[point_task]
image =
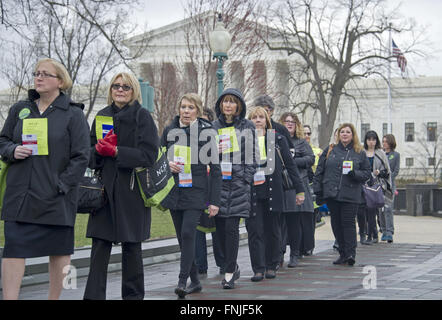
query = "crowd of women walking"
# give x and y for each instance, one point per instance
(247, 166)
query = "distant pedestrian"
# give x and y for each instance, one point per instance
(194, 190)
(238, 172)
(386, 215)
(132, 141)
(263, 225)
(45, 141)
(341, 171)
(381, 174)
(300, 221)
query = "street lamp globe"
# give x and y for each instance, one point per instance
(220, 41)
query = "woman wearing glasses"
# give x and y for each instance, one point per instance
(123, 137)
(300, 219)
(45, 141)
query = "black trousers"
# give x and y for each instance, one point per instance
(264, 237)
(132, 285)
(228, 236)
(343, 222)
(362, 220)
(372, 230)
(300, 231)
(185, 222)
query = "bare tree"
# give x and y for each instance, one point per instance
(80, 34)
(335, 43)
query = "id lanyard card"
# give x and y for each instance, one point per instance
(182, 158)
(103, 125)
(226, 169)
(227, 137)
(35, 136)
(259, 177)
(347, 166)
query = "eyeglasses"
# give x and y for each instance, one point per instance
(43, 75)
(288, 121)
(117, 87)
(308, 133)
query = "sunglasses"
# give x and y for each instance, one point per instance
(117, 87)
(308, 133)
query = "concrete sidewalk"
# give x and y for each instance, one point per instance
(409, 268)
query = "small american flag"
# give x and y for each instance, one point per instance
(401, 60)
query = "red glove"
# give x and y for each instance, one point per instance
(105, 149)
(111, 137)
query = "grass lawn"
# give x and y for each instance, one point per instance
(162, 227)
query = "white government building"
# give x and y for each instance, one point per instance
(416, 111)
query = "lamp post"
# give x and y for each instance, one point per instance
(220, 41)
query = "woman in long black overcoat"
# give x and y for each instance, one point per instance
(132, 143)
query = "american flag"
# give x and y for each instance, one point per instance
(401, 60)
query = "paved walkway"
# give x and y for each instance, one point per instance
(409, 268)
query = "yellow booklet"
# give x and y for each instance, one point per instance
(35, 135)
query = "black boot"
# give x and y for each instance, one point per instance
(340, 260)
(180, 290)
(364, 240)
(293, 262)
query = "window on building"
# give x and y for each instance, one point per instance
(409, 131)
(432, 161)
(385, 129)
(365, 127)
(409, 162)
(431, 131)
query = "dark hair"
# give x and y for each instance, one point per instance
(209, 114)
(308, 126)
(264, 101)
(369, 135)
(391, 141)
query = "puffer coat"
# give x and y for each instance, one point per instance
(236, 193)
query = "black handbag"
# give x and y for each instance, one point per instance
(91, 195)
(287, 182)
(374, 196)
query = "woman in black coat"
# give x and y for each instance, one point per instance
(300, 219)
(263, 225)
(238, 165)
(40, 200)
(342, 170)
(194, 189)
(131, 142)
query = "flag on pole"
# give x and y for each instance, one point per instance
(401, 60)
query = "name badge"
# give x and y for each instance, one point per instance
(182, 159)
(227, 138)
(259, 178)
(226, 169)
(347, 166)
(35, 136)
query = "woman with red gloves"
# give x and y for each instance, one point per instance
(123, 137)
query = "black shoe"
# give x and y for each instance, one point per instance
(270, 274)
(293, 262)
(257, 277)
(351, 260)
(231, 284)
(364, 240)
(375, 240)
(308, 253)
(180, 291)
(194, 288)
(340, 260)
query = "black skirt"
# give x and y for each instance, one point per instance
(28, 240)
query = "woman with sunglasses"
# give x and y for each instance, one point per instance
(123, 137)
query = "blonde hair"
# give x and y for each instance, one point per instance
(195, 99)
(60, 71)
(232, 98)
(356, 143)
(261, 111)
(299, 130)
(130, 80)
